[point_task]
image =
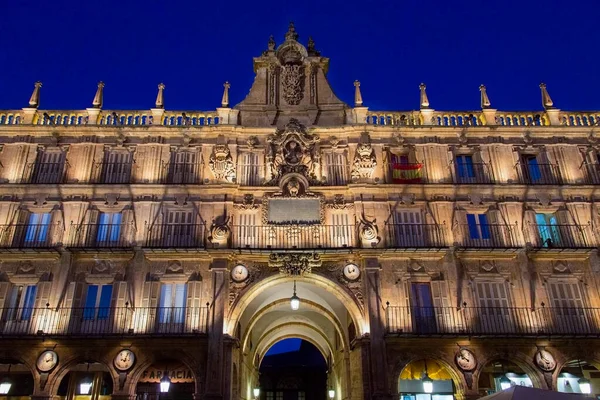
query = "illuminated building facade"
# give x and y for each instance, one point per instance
(429, 251)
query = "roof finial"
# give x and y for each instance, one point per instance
(34, 101)
(357, 96)
(97, 102)
(485, 100)
(160, 101)
(291, 33)
(424, 99)
(546, 100)
(225, 99)
(271, 44)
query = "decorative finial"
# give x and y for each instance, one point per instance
(34, 101)
(225, 99)
(160, 101)
(291, 33)
(546, 100)
(271, 45)
(310, 48)
(357, 96)
(97, 102)
(424, 99)
(485, 100)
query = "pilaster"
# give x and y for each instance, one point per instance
(489, 114)
(93, 114)
(360, 115)
(28, 115)
(427, 116)
(157, 115)
(553, 115)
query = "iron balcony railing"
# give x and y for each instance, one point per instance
(538, 174)
(102, 235)
(183, 173)
(471, 173)
(488, 236)
(562, 236)
(104, 321)
(176, 235)
(406, 173)
(113, 172)
(293, 236)
(30, 236)
(492, 321)
(414, 235)
(47, 172)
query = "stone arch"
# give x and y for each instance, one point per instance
(457, 378)
(354, 310)
(518, 358)
(261, 351)
(65, 366)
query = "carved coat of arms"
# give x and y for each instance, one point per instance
(221, 163)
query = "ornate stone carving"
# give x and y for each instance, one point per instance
(252, 142)
(292, 149)
(369, 232)
(256, 273)
(295, 264)
(220, 231)
(292, 83)
(248, 203)
(339, 203)
(221, 163)
(364, 162)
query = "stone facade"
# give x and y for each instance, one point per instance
(409, 235)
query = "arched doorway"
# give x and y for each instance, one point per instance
(498, 375)
(264, 316)
(16, 380)
(166, 379)
(86, 381)
(426, 379)
(293, 369)
(579, 376)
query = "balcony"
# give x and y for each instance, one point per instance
(101, 236)
(48, 172)
(472, 173)
(538, 174)
(30, 236)
(492, 321)
(182, 173)
(112, 172)
(487, 236)
(176, 236)
(293, 236)
(414, 236)
(562, 236)
(406, 172)
(110, 321)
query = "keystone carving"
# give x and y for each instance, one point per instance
(295, 264)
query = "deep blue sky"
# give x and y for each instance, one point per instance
(390, 46)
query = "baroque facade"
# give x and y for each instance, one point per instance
(456, 246)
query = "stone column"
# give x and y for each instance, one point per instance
(376, 353)
(216, 362)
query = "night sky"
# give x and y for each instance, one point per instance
(390, 46)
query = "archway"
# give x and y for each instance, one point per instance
(263, 316)
(16, 380)
(426, 379)
(86, 381)
(166, 379)
(579, 376)
(293, 369)
(498, 375)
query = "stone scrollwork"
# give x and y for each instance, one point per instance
(248, 203)
(256, 273)
(221, 163)
(369, 232)
(292, 83)
(364, 163)
(220, 232)
(339, 203)
(294, 264)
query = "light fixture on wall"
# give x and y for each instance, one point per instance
(427, 381)
(256, 392)
(86, 384)
(6, 383)
(165, 382)
(584, 384)
(331, 393)
(295, 300)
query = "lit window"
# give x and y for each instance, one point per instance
(109, 227)
(478, 226)
(172, 303)
(37, 228)
(97, 302)
(21, 302)
(548, 229)
(464, 166)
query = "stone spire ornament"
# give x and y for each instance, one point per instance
(485, 100)
(271, 44)
(291, 33)
(98, 98)
(310, 48)
(160, 101)
(358, 101)
(424, 99)
(225, 99)
(34, 101)
(546, 100)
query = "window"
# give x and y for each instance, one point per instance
(531, 168)
(301, 396)
(249, 169)
(464, 166)
(248, 232)
(478, 226)
(270, 396)
(49, 167)
(408, 228)
(21, 302)
(116, 167)
(109, 228)
(421, 303)
(179, 228)
(183, 168)
(548, 229)
(337, 168)
(568, 312)
(37, 228)
(493, 302)
(342, 231)
(172, 303)
(278, 395)
(97, 302)
(403, 171)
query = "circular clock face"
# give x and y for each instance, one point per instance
(545, 360)
(239, 273)
(124, 360)
(47, 361)
(351, 272)
(465, 359)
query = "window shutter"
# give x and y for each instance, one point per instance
(530, 230)
(4, 291)
(127, 227)
(441, 302)
(43, 294)
(195, 318)
(119, 295)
